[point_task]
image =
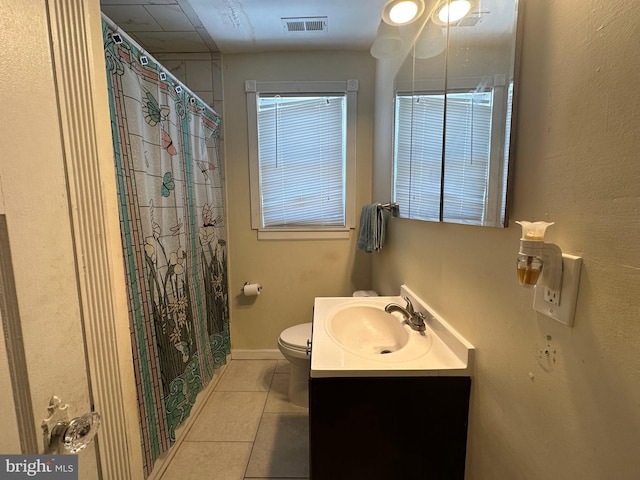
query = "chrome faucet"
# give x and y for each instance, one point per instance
(413, 318)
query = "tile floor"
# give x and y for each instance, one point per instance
(246, 429)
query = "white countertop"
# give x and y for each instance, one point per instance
(441, 351)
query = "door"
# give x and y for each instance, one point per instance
(58, 200)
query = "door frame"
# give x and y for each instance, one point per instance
(79, 69)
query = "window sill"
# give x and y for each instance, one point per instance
(302, 234)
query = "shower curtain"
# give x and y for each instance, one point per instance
(170, 188)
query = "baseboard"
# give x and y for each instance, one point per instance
(266, 354)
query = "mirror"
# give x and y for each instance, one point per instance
(453, 114)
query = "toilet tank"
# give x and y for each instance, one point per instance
(365, 293)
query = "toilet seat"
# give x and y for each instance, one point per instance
(296, 337)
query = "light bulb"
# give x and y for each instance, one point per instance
(403, 12)
(454, 11)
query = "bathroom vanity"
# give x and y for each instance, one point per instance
(388, 428)
(386, 402)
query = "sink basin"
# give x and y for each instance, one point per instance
(355, 337)
(364, 329)
(367, 330)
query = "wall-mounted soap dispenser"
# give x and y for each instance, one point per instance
(555, 274)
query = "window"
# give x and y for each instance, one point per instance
(464, 191)
(418, 155)
(301, 153)
(302, 158)
(467, 156)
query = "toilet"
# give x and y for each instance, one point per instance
(295, 345)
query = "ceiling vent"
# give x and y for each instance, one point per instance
(304, 24)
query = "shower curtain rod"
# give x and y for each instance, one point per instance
(116, 29)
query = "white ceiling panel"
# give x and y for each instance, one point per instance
(171, 42)
(132, 18)
(170, 17)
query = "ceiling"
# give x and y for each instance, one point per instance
(234, 26)
(238, 26)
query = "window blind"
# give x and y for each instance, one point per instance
(467, 150)
(418, 155)
(302, 155)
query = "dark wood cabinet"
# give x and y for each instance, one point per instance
(388, 428)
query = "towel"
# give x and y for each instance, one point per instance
(395, 210)
(372, 228)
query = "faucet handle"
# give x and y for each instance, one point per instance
(409, 307)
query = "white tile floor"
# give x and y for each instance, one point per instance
(246, 429)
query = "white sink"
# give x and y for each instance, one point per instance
(367, 330)
(356, 337)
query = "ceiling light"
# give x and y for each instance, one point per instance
(402, 12)
(452, 11)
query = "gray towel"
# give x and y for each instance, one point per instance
(372, 228)
(380, 229)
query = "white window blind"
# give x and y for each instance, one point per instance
(301, 155)
(467, 156)
(418, 155)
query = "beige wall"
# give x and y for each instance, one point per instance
(294, 272)
(574, 412)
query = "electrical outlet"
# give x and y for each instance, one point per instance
(551, 296)
(561, 305)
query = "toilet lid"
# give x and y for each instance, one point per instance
(296, 336)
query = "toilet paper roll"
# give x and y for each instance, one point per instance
(251, 289)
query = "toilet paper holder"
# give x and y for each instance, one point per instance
(61, 435)
(250, 289)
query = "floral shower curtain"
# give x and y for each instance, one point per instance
(170, 188)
